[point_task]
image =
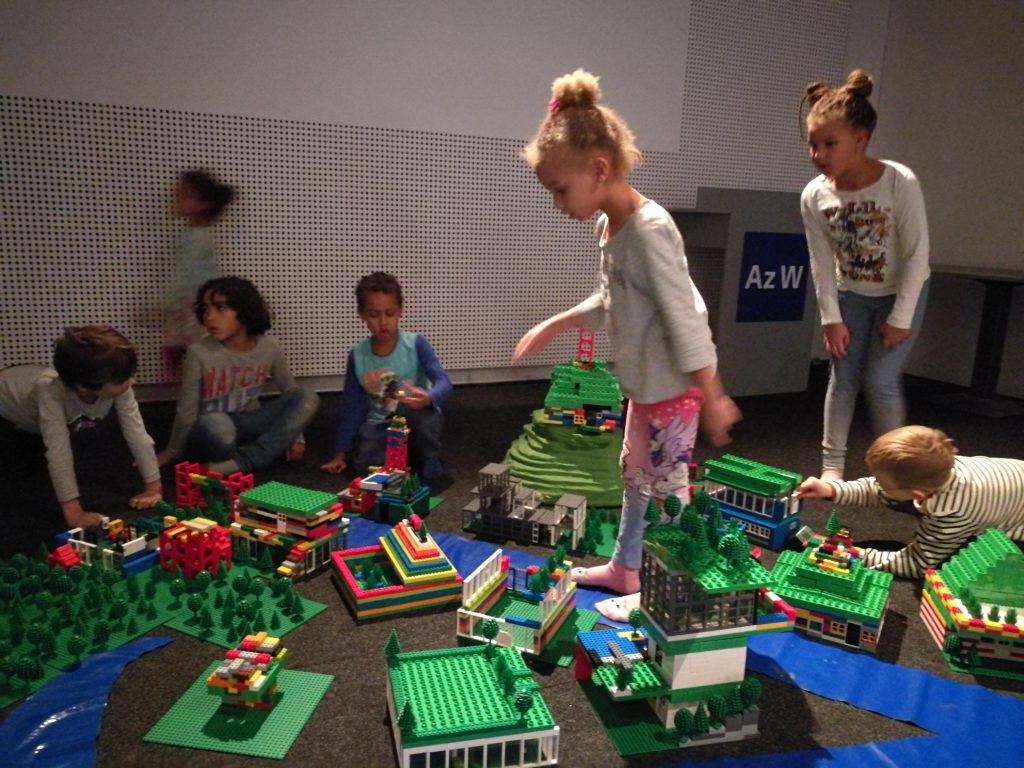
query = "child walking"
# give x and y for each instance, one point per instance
(92, 373)
(389, 355)
(201, 200)
(220, 418)
(655, 318)
(958, 497)
(868, 239)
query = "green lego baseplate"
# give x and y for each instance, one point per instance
(992, 567)
(709, 569)
(199, 720)
(287, 499)
(40, 617)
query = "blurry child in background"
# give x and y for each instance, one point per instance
(390, 361)
(958, 497)
(655, 317)
(92, 373)
(868, 239)
(201, 200)
(220, 418)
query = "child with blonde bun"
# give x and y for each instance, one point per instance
(656, 320)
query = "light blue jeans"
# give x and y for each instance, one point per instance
(253, 439)
(867, 367)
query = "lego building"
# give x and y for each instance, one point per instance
(973, 607)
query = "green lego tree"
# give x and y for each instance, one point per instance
(700, 720)
(683, 722)
(266, 562)
(732, 548)
(653, 513)
(636, 618)
(734, 701)
(673, 507)
(77, 645)
(832, 524)
(750, 691)
(623, 676)
(489, 629)
(953, 645)
(718, 708)
(993, 613)
(392, 647)
(523, 702)
(1011, 616)
(406, 721)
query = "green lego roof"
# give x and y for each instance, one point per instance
(457, 692)
(992, 567)
(750, 476)
(574, 387)
(711, 571)
(865, 592)
(288, 499)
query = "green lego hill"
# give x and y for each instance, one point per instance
(554, 459)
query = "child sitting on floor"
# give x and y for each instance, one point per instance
(958, 496)
(92, 373)
(389, 355)
(220, 417)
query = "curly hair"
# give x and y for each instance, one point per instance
(849, 102)
(377, 282)
(242, 296)
(93, 355)
(576, 121)
(915, 457)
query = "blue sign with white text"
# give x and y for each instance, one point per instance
(773, 278)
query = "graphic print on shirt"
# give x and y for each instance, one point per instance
(230, 389)
(81, 422)
(860, 232)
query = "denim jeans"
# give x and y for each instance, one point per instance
(253, 439)
(867, 367)
(424, 440)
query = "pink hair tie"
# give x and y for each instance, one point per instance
(553, 106)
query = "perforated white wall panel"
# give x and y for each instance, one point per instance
(87, 232)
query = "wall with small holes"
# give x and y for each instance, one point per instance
(88, 235)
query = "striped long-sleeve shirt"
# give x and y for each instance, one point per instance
(982, 493)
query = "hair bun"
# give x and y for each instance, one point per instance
(578, 89)
(860, 83)
(816, 91)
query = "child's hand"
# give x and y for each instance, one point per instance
(717, 417)
(837, 339)
(534, 340)
(414, 397)
(813, 488)
(163, 458)
(148, 498)
(295, 451)
(76, 517)
(371, 380)
(892, 336)
(336, 465)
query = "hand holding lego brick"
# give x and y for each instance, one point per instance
(814, 488)
(414, 397)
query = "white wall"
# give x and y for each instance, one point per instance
(477, 67)
(951, 108)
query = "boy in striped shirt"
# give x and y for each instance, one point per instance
(958, 497)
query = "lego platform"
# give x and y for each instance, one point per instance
(802, 728)
(200, 721)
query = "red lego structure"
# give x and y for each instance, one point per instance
(189, 478)
(195, 545)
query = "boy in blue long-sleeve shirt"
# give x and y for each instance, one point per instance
(389, 355)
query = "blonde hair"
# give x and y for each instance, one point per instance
(577, 122)
(849, 102)
(915, 457)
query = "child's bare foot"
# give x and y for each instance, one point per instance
(618, 608)
(83, 519)
(610, 576)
